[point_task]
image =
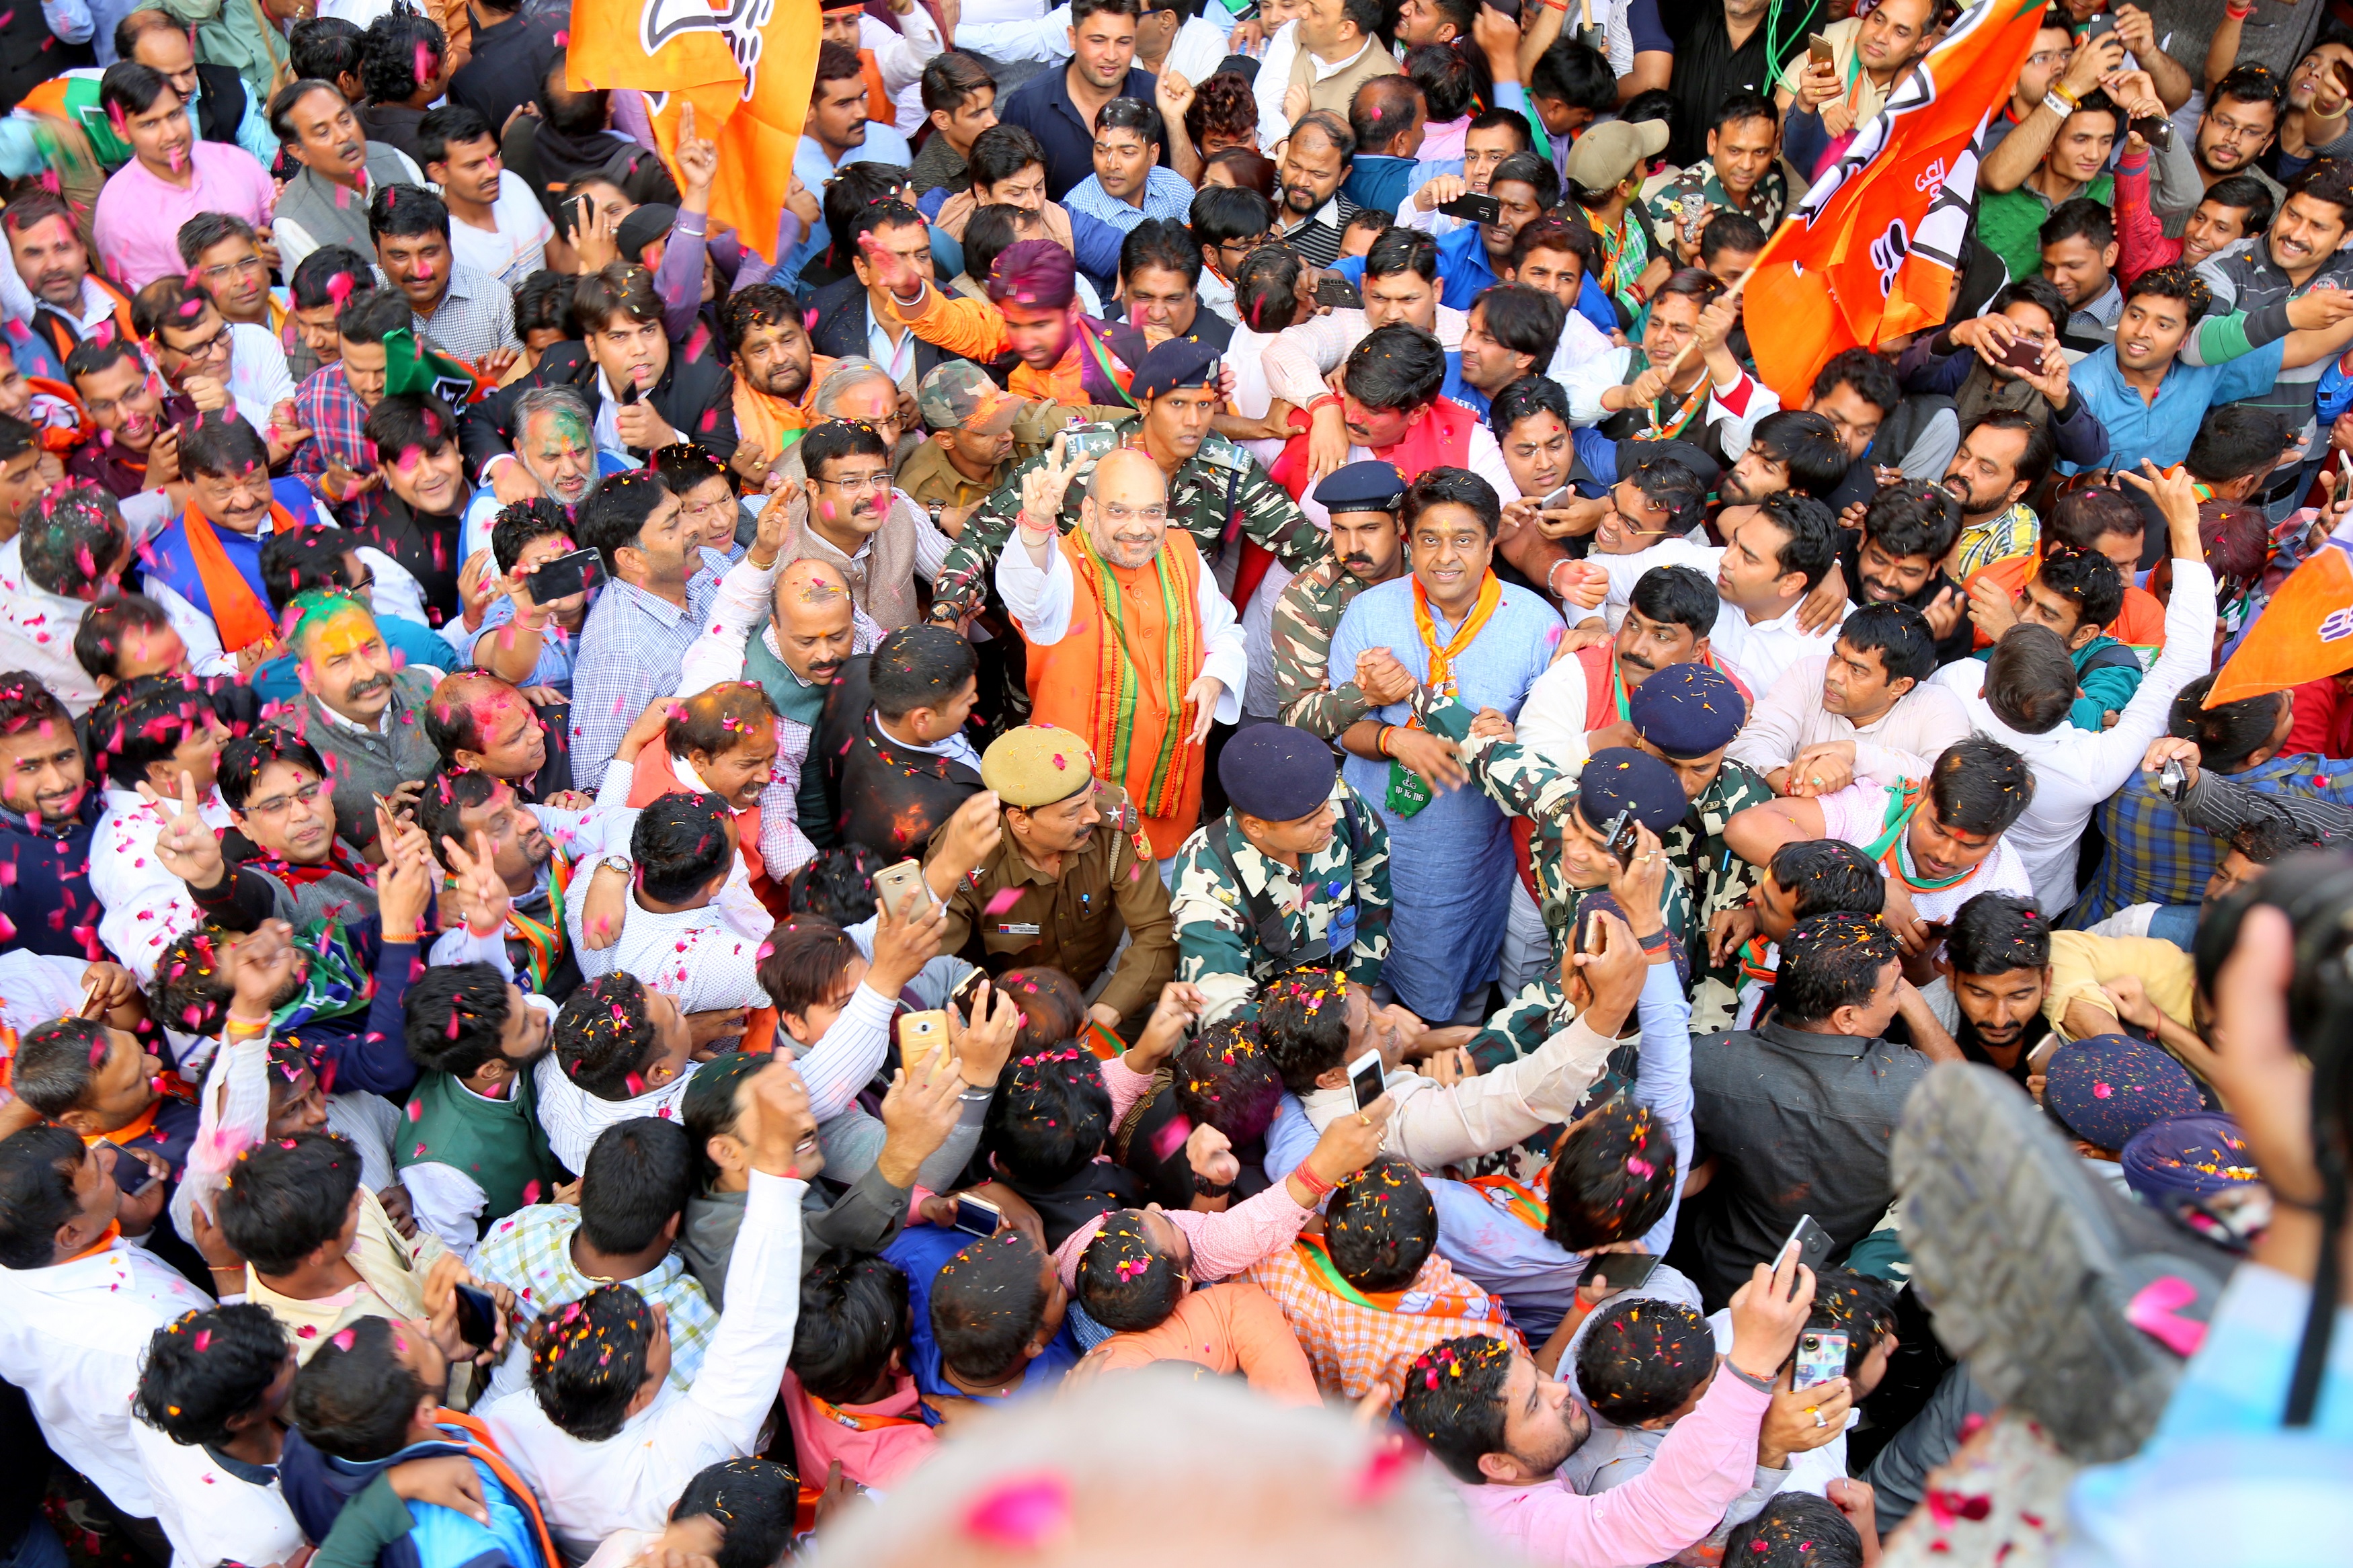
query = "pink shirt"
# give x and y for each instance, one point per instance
(138, 220)
(1708, 1458)
(1224, 1243)
(875, 1458)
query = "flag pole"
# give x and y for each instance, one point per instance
(1739, 285)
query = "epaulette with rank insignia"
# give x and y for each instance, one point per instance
(1221, 452)
(1090, 442)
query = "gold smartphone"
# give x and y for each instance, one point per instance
(922, 1034)
(1819, 48)
(894, 883)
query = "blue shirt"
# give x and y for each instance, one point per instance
(1464, 269)
(2162, 431)
(883, 144)
(1042, 107)
(1449, 863)
(1166, 195)
(1377, 180)
(920, 1251)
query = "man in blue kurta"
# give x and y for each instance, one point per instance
(1453, 627)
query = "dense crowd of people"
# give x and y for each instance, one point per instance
(672, 895)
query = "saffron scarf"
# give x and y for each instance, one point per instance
(652, 776)
(775, 422)
(1519, 1199)
(544, 937)
(1117, 694)
(1440, 679)
(1893, 847)
(237, 609)
(1469, 1303)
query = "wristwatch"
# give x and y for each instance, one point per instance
(935, 510)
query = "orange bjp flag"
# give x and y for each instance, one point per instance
(757, 118)
(1871, 251)
(2304, 633)
(652, 45)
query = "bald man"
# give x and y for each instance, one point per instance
(788, 629)
(1179, 647)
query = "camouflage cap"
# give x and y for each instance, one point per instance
(958, 395)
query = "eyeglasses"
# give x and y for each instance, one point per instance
(878, 481)
(2049, 58)
(277, 804)
(217, 342)
(247, 264)
(1118, 513)
(364, 586)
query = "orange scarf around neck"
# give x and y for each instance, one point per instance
(237, 609)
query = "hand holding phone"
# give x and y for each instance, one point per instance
(1819, 50)
(2023, 352)
(1473, 208)
(477, 1317)
(565, 577)
(1813, 1244)
(1334, 289)
(1822, 1357)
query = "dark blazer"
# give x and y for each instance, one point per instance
(696, 394)
(843, 320)
(875, 792)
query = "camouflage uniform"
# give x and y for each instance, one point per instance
(1344, 887)
(1719, 881)
(1305, 616)
(1766, 200)
(1219, 482)
(1524, 785)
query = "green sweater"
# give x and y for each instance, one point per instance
(498, 1143)
(2010, 223)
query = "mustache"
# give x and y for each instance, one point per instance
(371, 686)
(1638, 662)
(1358, 558)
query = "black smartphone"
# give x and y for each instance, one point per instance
(1622, 834)
(2153, 129)
(1812, 1242)
(630, 393)
(2173, 780)
(1508, 8)
(145, 1178)
(1334, 289)
(564, 576)
(2103, 23)
(1474, 208)
(1623, 1270)
(477, 1317)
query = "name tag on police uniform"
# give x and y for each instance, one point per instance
(1023, 928)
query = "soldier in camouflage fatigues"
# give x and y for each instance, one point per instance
(1686, 714)
(1334, 909)
(1524, 784)
(1364, 500)
(1218, 482)
(1720, 881)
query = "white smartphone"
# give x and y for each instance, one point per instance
(1365, 1079)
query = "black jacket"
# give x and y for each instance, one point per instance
(843, 320)
(696, 396)
(877, 792)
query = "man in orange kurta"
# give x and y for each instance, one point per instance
(1032, 311)
(1131, 646)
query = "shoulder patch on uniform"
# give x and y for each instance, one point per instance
(1090, 441)
(1219, 452)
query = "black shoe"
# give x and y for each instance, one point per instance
(2034, 1274)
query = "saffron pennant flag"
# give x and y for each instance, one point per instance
(1871, 251)
(2304, 633)
(749, 68)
